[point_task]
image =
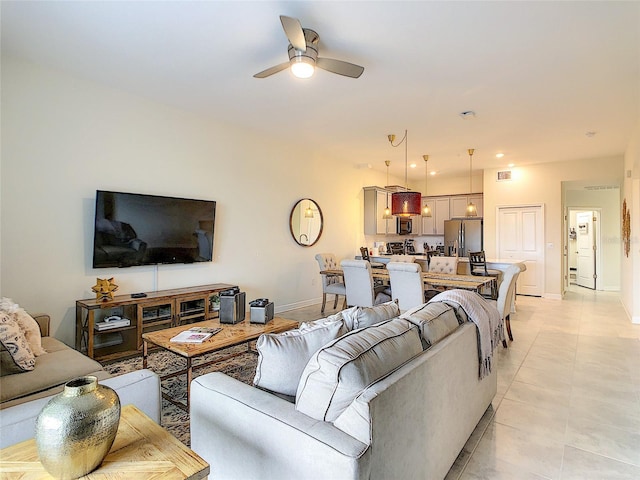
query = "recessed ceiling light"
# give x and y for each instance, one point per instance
(412, 165)
(499, 155)
(468, 115)
(511, 165)
(432, 173)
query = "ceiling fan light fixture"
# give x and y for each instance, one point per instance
(302, 67)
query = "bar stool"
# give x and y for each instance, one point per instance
(364, 251)
(478, 266)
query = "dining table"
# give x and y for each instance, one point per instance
(445, 281)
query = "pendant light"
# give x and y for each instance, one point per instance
(404, 204)
(387, 211)
(308, 213)
(472, 211)
(426, 210)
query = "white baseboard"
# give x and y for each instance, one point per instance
(610, 288)
(302, 304)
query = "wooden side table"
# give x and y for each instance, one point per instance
(142, 450)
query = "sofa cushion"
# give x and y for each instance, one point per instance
(59, 365)
(339, 371)
(15, 353)
(435, 321)
(283, 356)
(360, 317)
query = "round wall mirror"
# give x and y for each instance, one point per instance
(305, 222)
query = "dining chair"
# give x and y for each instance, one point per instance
(442, 264)
(406, 284)
(402, 258)
(478, 266)
(364, 252)
(358, 280)
(506, 294)
(331, 284)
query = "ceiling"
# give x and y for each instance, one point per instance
(538, 75)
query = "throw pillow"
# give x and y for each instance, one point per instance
(435, 320)
(27, 324)
(31, 331)
(283, 356)
(360, 317)
(16, 355)
(336, 317)
(339, 371)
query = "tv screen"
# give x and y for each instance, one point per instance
(134, 229)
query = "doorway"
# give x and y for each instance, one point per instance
(583, 247)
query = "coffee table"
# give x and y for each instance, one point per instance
(230, 336)
(142, 450)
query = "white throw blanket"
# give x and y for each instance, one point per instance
(487, 320)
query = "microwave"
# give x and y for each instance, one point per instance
(403, 226)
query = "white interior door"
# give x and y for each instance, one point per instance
(586, 253)
(520, 236)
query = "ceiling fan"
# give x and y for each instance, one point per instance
(303, 54)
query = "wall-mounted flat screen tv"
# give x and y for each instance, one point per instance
(134, 229)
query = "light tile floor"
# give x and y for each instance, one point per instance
(568, 401)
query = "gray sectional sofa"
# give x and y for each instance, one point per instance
(390, 396)
(23, 395)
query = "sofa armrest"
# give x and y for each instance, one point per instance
(44, 322)
(141, 388)
(248, 433)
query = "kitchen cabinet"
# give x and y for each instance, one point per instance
(434, 225)
(376, 200)
(458, 204)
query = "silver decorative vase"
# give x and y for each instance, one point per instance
(75, 429)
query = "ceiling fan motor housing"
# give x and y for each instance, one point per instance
(311, 54)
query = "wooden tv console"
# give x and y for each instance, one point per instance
(156, 311)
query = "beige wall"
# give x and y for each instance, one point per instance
(63, 138)
(631, 264)
(542, 184)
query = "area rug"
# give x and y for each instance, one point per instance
(174, 419)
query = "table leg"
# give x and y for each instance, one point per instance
(189, 378)
(145, 351)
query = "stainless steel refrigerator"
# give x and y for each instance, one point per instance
(463, 235)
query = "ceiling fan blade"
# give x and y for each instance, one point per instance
(272, 70)
(341, 68)
(293, 31)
